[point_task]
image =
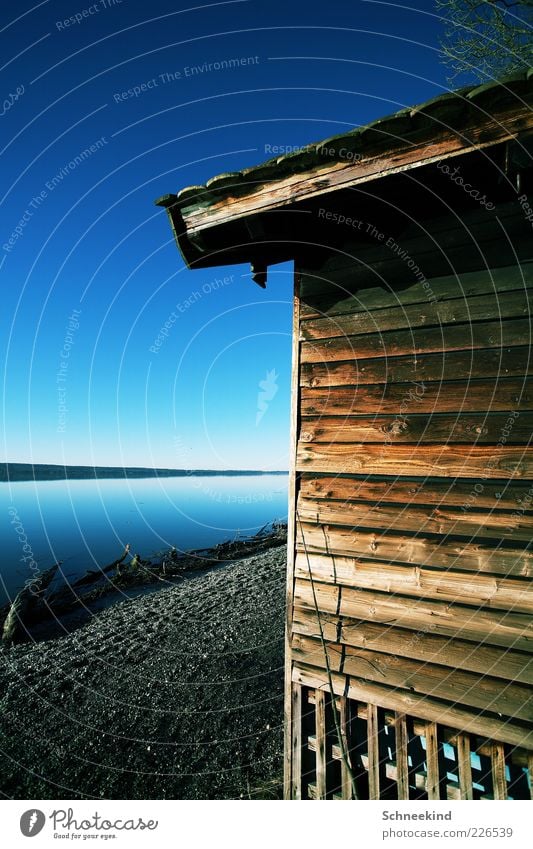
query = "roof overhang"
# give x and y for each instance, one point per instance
(249, 216)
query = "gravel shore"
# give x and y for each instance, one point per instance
(176, 694)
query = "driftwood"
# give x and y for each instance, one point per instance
(93, 575)
(137, 561)
(35, 607)
(31, 605)
(26, 603)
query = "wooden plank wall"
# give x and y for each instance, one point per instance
(411, 589)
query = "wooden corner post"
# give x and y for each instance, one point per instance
(291, 782)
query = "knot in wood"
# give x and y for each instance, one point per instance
(397, 427)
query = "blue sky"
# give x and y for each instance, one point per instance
(90, 274)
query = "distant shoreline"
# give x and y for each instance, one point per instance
(18, 472)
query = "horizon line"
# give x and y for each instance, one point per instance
(13, 471)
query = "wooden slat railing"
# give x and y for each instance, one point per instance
(392, 755)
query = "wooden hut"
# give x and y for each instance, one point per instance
(409, 593)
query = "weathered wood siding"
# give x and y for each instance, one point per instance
(410, 589)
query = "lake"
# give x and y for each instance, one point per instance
(86, 523)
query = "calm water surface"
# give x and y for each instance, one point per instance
(85, 524)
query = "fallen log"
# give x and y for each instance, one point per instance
(26, 604)
(93, 575)
(81, 593)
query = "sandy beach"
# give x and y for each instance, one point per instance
(174, 694)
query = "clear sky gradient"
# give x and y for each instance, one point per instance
(114, 353)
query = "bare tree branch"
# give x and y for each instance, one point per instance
(486, 39)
